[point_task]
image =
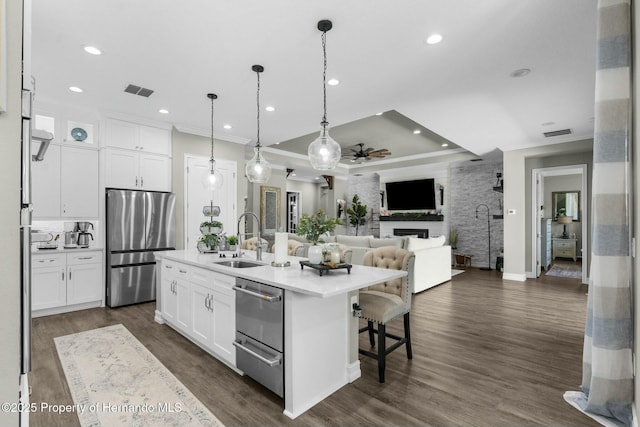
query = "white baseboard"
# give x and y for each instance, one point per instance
(353, 371)
(531, 275)
(514, 276)
(158, 318)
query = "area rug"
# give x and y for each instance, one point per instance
(573, 271)
(115, 381)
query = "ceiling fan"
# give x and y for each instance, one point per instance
(359, 154)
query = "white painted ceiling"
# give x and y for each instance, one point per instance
(460, 90)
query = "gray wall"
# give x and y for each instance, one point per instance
(548, 161)
(10, 130)
(470, 185)
(186, 143)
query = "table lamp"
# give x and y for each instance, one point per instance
(564, 220)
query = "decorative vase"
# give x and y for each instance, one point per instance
(315, 254)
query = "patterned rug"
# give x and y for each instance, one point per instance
(573, 271)
(116, 381)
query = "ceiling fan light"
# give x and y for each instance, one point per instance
(258, 169)
(324, 153)
(212, 180)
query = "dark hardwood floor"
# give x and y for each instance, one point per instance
(487, 352)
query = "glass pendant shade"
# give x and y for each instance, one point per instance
(324, 152)
(258, 169)
(212, 179)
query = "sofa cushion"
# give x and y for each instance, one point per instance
(398, 242)
(354, 241)
(431, 242)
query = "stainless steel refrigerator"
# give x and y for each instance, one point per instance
(138, 224)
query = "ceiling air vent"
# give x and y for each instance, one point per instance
(557, 133)
(137, 90)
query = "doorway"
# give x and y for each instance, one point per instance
(546, 231)
(293, 211)
(197, 198)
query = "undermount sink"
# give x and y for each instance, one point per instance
(239, 264)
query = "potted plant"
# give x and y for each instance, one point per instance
(453, 238)
(211, 227)
(232, 241)
(208, 242)
(357, 213)
(312, 227)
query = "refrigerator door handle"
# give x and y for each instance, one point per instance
(25, 231)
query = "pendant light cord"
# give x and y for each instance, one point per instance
(212, 160)
(324, 79)
(258, 108)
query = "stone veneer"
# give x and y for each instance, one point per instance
(471, 184)
(367, 187)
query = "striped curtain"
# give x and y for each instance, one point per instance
(607, 377)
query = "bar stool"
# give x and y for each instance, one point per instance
(387, 301)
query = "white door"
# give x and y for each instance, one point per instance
(84, 283)
(79, 183)
(121, 169)
(154, 172)
(198, 197)
(46, 183)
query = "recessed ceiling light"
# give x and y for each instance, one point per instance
(227, 126)
(270, 108)
(434, 39)
(92, 50)
(379, 114)
(444, 144)
(520, 73)
(163, 111)
(75, 89)
(333, 82)
(416, 132)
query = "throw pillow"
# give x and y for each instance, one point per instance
(431, 242)
(378, 243)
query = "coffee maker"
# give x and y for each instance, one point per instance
(82, 227)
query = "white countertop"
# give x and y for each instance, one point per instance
(294, 278)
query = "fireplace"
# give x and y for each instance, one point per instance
(423, 233)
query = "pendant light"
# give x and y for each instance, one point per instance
(258, 169)
(212, 179)
(324, 152)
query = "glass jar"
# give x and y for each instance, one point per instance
(334, 253)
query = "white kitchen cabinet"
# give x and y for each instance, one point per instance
(84, 277)
(176, 298)
(65, 183)
(66, 282)
(224, 317)
(48, 281)
(133, 136)
(137, 171)
(200, 304)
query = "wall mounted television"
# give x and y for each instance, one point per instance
(417, 194)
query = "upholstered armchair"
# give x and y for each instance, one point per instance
(252, 243)
(292, 247)
(387, 301)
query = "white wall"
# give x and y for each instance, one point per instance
(10, 131)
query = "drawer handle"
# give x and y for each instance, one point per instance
(268, 298)
(183, 271)
(168, 266)
(270, 362)
(86, 257)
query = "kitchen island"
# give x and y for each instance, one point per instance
(320, 332)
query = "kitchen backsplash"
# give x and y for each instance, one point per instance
(58, 228)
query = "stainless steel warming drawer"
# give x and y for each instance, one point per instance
(260, 330)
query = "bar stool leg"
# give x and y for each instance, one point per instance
(382, 351)
(407, 335)
(371, 338)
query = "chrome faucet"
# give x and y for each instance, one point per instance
(259, 247)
